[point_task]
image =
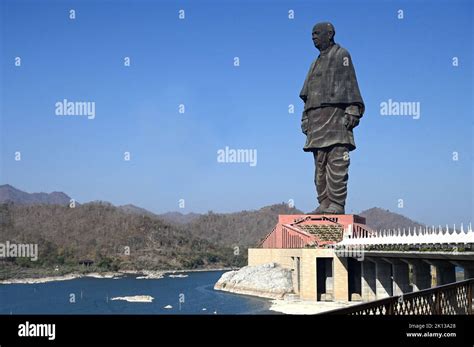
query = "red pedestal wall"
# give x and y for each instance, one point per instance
(288, 234)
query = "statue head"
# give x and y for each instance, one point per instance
(323, 35)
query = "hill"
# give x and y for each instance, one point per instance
(130, 208)
(243, 229)
(378, 218)
(9, 193)
(178, 217)
(102, 233)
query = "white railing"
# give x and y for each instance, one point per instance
(411, 236)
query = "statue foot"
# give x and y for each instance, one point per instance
(334, 208)
(322, 207)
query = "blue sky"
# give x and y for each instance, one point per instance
(191, 62)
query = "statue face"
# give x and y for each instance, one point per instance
(323, 34)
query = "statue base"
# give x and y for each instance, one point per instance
(313, 230)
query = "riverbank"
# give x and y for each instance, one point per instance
(30, 278)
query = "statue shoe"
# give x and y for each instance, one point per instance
(322, 206)
(320, 209)
(334, 208)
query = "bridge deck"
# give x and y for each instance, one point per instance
(421, 255)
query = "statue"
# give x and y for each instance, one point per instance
(333, 108)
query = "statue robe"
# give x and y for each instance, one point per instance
(330, 91)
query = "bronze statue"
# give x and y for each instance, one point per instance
(333, 108)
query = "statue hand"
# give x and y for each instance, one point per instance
(350, 121)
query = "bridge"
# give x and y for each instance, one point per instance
(339, 258)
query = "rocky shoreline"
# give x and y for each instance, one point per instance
(267, 281)
(141, 274)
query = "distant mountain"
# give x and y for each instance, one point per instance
(130, 208)
(243, 229)
(178, 217)
(169, 217)
(11, 194)
(378, 218)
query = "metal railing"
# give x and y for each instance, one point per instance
(454, 298)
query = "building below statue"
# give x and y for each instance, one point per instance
(305, 244)
(367, 265)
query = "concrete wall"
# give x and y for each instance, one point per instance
(259, 256)
(308, 256)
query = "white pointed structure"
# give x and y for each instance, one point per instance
(431, 236)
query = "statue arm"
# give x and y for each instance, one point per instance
(304, 97)
(352, 116)
(356, 105)
(304, 90)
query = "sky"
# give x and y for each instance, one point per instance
(404, 51)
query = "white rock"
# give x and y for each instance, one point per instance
(267, 280)
(136, 298)
(151, 275)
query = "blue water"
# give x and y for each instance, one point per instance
(92, 296)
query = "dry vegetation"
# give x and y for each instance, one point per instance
(101, 232)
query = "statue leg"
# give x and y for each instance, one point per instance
(338, 162)
(320, 180)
